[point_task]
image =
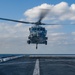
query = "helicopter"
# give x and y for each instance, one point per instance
(38, 34)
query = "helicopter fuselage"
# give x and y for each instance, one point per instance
(37, 35)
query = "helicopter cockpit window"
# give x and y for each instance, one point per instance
(43, 29)
(34, 29)
(38, 29)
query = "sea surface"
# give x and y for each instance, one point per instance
(8, 55)
(55, 55)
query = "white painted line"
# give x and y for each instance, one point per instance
(36, 69)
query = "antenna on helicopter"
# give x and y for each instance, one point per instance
(36, 45)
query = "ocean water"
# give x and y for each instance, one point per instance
(55, 55)
(8, 55)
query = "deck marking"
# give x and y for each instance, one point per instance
(36, 68)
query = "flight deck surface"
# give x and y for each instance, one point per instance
(38, 66)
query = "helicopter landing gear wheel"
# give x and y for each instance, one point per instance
(28, 41)
(45, 42)
(36, 46)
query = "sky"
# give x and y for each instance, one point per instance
(14, 36)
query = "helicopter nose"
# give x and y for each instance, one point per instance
(39, 34)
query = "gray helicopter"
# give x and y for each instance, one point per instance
(37, 35)
(37, 32)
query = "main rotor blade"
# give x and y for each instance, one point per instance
(16, 21)
(56, 24)
(36, 23)
(43, 13)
